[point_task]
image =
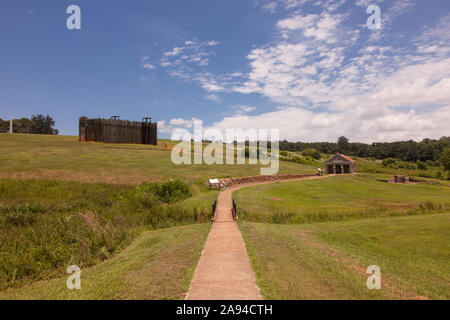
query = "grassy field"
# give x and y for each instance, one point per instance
(62, 201)
(65, 158)
(110, 209)
(338, 198)
(329, 260)
(159, 264)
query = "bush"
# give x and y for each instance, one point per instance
(421, 165)
(389, 162)
(445, 159)
(167, 192)
(79, 223)
(313, 153)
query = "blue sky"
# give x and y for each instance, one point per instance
(310, 68)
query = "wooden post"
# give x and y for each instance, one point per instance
(10, 125)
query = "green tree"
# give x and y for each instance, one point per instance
(43, 125)
(4, 125)
(343, 146)
(445, 159)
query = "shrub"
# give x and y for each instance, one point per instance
(421, 165)
(313, 153)
(389, 162)
(79, 223)
(167, 192)
(445, 159)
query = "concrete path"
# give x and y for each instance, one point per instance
(224, 271)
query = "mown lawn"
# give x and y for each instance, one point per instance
(159, 264)
(329, 260)
(338, 198)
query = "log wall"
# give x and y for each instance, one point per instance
(117, 131)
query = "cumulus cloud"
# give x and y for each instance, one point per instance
(176, 124)
(297, 124)
(379, 93)
(328, 81)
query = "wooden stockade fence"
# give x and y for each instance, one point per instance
(118, 131)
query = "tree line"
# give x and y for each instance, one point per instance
(427, 149)
(38, 124)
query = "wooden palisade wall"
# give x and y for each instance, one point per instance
(117, 131)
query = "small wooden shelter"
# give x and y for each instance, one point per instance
(340, 163)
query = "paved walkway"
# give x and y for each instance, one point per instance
(224, 271)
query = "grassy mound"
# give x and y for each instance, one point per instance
(329, 260)
(46, 225)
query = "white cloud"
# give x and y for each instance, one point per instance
(176, 124)
(211, 97)
(362, 94)
(146, 64)
(183, 62)
(213, 43)
(209, 83)
(365, 91)
(270, 6)
(174, 52)
(297, 22)
(240, 108)
(297, 124)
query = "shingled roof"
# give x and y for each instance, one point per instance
(342, 156)
(346, 157)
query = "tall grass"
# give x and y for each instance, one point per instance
(47, 225)
(351, 214)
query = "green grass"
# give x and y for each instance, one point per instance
(329, 260)
(64, 201)
(338, 198)
(46, 224)
(65, 158)
(430, 174)
(159, 264)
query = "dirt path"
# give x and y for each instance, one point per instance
(224, 271)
